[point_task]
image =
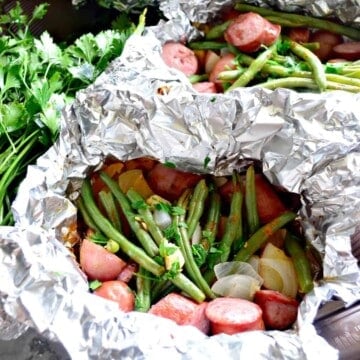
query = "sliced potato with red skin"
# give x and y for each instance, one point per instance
(99, 263)
(119, 292)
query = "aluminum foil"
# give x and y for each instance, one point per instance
(308, 144)
(203, 11)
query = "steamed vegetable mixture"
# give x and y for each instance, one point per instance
(252, 46)
(224, 254)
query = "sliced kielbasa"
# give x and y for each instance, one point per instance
(279, 310)
(182, 310)
(233, 315)
(349, 51)
(180, 57)
(169, 182)
(327, 41)
(250, 30)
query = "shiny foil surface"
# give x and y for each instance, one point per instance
(308, 144)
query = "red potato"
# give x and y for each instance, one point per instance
(119, 292)
(226, 62)
(169, 182)
(250, 30)
(180, 57)
(349, 51)
(279, 311)
(205, 87)
(182, 310)
(233, 315)
(327, 41)
(299, 34)
(211, 59)
(98, 263)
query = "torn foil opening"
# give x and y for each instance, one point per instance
(308, 144)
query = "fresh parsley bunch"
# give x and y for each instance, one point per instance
(37, 79)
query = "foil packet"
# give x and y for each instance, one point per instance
(308, 144)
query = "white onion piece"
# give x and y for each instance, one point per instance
(279, 274)
(162, 218)
(195, 239)
(236, 267)
(254, 262)
(236, 286)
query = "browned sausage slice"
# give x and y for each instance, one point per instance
(348, 51)
(182, 310)
(233, 315)
(279, 310)
(180, 57)
(327, 40)
(249, 31)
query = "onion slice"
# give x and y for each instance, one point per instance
(236, 267)
(236, 286)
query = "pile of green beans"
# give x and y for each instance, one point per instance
(202, 206)
(285, 64)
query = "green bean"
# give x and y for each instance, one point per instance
(196, 206)
(107, 200)
(147, 217)
(297, 82)
(262, 235)
(143, 290)
(232, 230)
(296, 20)
(133, 251)
(143, 236)
(313, 61)
(253, 69)
(160, 289)
(207, 45)
(250, 200)
(217, 31)
(185, 247)
(198, 78)
(86, 216)
(233, 223)
(229, 75)
(301, 263)
(212, 222)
